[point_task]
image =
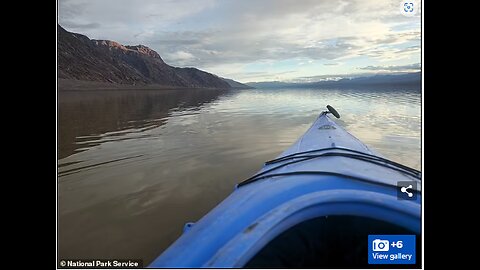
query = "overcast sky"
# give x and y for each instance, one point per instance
(259, 40)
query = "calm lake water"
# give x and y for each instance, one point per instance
(134, 166)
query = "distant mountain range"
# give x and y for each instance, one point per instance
(87, 61)
(385, 80)
(237, 85)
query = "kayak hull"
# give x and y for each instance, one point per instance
(293, 189)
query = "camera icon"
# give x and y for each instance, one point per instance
(380, 245)
(408, 7)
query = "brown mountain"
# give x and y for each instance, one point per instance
(82, 59)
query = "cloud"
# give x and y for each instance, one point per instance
(233, 35)
(411, 67)
(82, 26)
(328, 77)
(121, 20)
(181, 57)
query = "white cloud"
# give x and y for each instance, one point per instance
(404, 68)
(181, 57)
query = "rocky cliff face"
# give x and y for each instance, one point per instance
(81, 58)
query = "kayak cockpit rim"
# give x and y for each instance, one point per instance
(244, 246)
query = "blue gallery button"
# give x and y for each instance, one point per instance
(391, 249)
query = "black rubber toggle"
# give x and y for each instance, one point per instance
(333, 111)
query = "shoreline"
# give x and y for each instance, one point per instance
(64, 85)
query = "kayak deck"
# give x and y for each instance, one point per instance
(327, 172)
(326, 148)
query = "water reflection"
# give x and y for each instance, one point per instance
(89, 118)
(135, 166)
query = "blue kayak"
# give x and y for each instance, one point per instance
(312, 206)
